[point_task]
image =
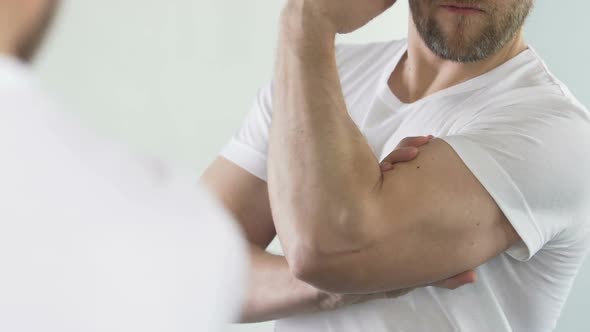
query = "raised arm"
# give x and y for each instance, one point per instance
(345, 227)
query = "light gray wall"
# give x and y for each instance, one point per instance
(175, 78)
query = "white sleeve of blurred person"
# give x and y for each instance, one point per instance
(94, 239)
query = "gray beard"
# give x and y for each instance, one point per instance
(491, 40)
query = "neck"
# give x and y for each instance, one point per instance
(421, 73)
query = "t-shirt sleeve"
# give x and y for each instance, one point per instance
(533, 161)
(248, 148)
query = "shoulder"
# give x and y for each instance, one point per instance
(542, 140)
(531, 94)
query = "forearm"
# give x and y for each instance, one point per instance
(273, 292)
(320, 165)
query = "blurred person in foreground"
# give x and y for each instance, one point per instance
(91, 238)
(502, 189)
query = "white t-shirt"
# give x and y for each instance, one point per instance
(522, 134)
(93, 239)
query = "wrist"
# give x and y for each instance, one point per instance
(305, 28)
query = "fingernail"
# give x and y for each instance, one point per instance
(430, 137)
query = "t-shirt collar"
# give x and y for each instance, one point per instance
(477, 82)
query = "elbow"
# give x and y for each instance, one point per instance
(327, 273)
(314, 260)
(322, 255)
(308, 265)
(304, 263)
(323, 275)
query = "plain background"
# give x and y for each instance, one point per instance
(175, 78)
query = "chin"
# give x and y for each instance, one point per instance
(462, 38)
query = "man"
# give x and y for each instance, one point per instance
(92, 239)
(501, 189)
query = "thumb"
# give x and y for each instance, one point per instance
(398, 155)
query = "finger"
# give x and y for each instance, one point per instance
(386, 166)
(415, 141)
(404, 151)
(457, 281)
(398, 155)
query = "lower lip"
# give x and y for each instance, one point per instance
(462, 10)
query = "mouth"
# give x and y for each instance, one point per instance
(462, 10)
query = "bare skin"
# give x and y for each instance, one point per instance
(420, 73)
(23, 24)
(335, 212)
(273, 291)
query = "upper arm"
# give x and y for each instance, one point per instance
(438, 219)
(429, 220)
(245, 196)
(510, 184)
(238, 175)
